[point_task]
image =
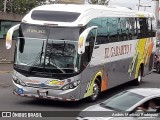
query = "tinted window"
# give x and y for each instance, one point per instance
(64, 33)
(123, 101)
(58, 16)
(33, 31)
(114, 29)
(5, 26)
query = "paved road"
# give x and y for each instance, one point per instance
(10, 102)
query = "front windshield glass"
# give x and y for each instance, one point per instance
(122, 101)
(62, 54)
(32, 50)
(47, 49)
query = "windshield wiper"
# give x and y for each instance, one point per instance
(41, 53)
(53, 60)
(54, 63)
(59, 68)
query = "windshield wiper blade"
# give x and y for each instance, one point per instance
(41, 52)
(58, 67)
(54, 63)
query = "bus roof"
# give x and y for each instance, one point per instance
(76, 15)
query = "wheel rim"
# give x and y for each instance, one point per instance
(95, 91)
(158, 69)
(139, 77)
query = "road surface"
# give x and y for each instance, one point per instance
(10, 102)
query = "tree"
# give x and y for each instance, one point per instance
(21, 6)
(100, 2)
(1, 5)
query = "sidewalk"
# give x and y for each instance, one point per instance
(6, 68)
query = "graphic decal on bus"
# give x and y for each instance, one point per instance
(143, 52)
(89, 89)
(56, 82)
(104, 84)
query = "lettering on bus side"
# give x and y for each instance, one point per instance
(118, 50)
(36, 31)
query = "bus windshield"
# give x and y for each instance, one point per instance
(44, 49)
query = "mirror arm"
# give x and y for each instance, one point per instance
(82, 39)
(9, 36)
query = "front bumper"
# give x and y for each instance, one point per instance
(60, 95)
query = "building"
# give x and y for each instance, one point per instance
(7, 20)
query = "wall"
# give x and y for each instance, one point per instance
(6, 55)
(10, 16)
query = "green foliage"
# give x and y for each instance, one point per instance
(100, 2)
(1, 5)
(21, 6)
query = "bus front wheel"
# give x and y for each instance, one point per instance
(96, 91)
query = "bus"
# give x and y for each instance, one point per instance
(69, 52)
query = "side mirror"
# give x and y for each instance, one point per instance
(9, 36)
(82, 39)
(21, 46)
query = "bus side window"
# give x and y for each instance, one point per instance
(113, 29)
(128, 28)
(132, 29)
(102, 35)
(151, 31)
(89, 46)
(102, 31)
(146, 28)
(124, 29)
(143, 27)
(138, 29)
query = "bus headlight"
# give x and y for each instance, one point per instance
(18, 81)
(71, 85)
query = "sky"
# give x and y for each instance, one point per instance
(133, 4)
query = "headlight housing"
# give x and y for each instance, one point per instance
(71, 85)
(18, 81)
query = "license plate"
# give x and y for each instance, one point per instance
(42, 93)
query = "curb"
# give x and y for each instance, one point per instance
(5, 72)
(5, 62)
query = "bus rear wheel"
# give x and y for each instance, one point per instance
(138, 80)
(158, 68)
(96, 91)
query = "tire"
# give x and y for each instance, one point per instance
(138, 80)
(158, 68)
(96, 91)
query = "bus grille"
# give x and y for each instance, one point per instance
(44, 86)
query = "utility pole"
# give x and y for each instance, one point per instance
(139, 4)
(156, 13)
(5, 5)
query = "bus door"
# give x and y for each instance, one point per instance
(86, 45)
